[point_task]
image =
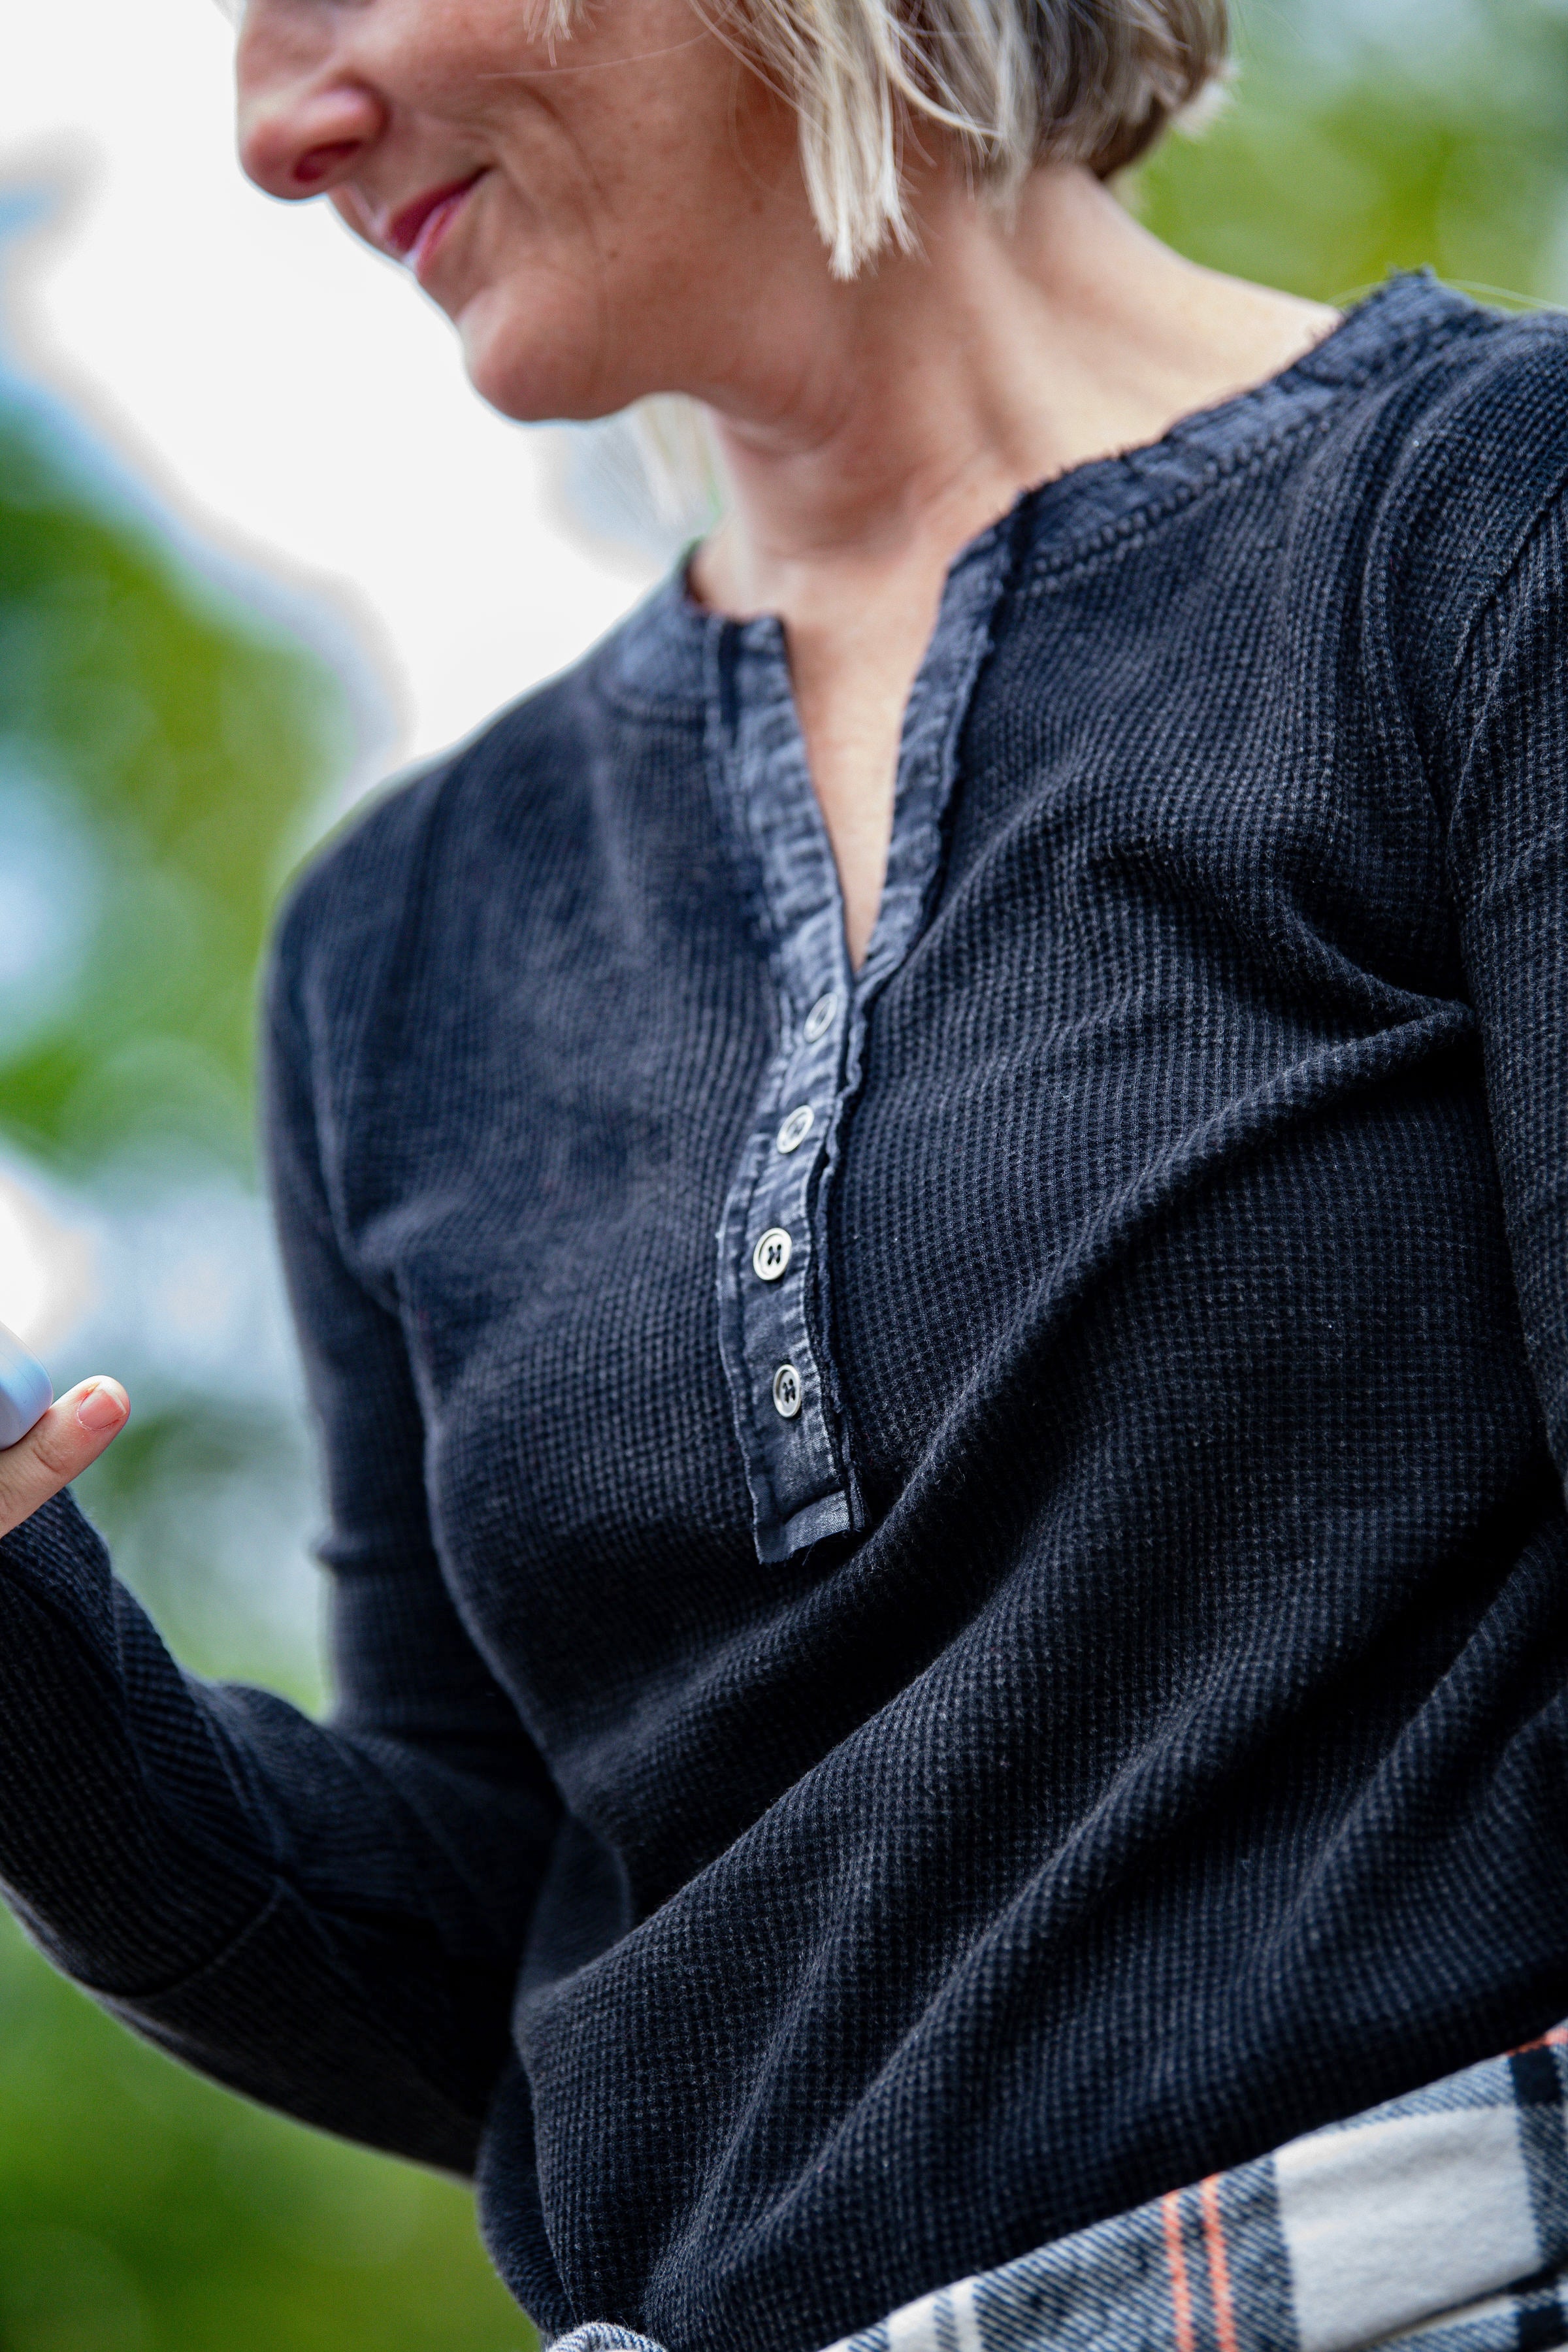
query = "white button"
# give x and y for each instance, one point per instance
(786, 1391)
(796, 1129)
(819, 1020)
(772, 1254)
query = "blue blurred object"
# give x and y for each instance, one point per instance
(26, 1392)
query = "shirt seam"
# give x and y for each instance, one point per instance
(1487, 602)
(1044, 571)
(1492, 596)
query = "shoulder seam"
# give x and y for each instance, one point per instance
(1484, 576)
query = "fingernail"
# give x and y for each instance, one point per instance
(101, 1409)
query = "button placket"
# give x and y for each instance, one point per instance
(772, 1281)
(767, 1248)
(783, 1373)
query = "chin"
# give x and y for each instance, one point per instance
(535, 368)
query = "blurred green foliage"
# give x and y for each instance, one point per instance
(181, 751)
(142, 2211)
(1384, 135)
(164, 755)
(190, 746)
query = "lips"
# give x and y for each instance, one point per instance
(414, 233)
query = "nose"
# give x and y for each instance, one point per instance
(305, 119)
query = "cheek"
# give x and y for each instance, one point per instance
(588, 298)
(623, 229)
(525, 297)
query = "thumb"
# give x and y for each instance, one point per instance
(58, 1448)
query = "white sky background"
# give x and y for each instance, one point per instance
(290, 395)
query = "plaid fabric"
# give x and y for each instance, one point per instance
(1438, 2223)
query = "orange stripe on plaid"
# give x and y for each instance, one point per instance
(1181, 2293)
(1219, 2268)
(1553, 2040)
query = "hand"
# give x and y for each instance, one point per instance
(74, 1432)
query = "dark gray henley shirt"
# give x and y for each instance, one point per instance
(951, 1583)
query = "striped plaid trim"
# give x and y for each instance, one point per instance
(1437, 2222)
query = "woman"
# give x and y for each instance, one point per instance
(903, 1743)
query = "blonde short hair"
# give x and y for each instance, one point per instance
(1015, 82)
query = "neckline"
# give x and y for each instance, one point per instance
(1090, 505)
(657, 657)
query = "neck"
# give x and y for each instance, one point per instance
(872, 428)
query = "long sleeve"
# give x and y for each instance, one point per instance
(1508, 840)
(328, 1917)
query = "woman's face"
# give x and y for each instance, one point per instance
(591, 211)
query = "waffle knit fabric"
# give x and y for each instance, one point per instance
(803, 1840)
(1438, 2221)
